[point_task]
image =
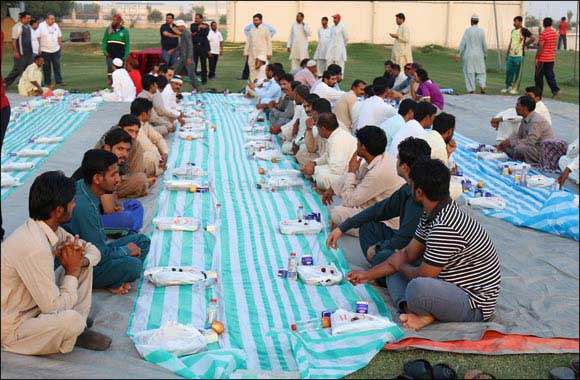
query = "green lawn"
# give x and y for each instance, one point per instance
(84, 65)
(84, 68)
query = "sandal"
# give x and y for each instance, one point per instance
(442, 371)
(418, 369)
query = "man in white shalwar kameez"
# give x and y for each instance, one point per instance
(336, 52)
(257, 43)
(322, 47)
(123, 87)
(473, 51)
(298, 41)
(402, 52)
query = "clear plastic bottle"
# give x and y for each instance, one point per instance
(524, 176)
(292, 267)
(211, 311)
(217, 213)
(300, 213)
(306, 325)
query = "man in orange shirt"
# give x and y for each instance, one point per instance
(546, 57)
(563, 31)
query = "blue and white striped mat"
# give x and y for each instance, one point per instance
(54, 120)
(255, 305)
(547, 210)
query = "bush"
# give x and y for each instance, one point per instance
(432, 48)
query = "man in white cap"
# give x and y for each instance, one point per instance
(402, 52)
(257, 44)
(336, 52)
(185, 61)
(473, 51)
(259, 67)
(322, 47)
(307, 76)
(169, 95)
(298, 41)
(123, 87)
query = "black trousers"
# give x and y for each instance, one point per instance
(546, 69)
(246, 71)
(213, 60)
(200, 54)
(20, 65)
(5, 118)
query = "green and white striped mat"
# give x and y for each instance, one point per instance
(255, 305)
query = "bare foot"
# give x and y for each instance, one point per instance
(318, 191)
(127, 286)
(416, 322)
(120, 290)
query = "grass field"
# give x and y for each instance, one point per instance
(83, 67)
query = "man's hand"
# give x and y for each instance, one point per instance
(457, 58)
(495, 122)
(503, 145)
(309, 123)
(221, 51)
(135, 251)
(272, 104)
(170, 51)
(308, 168)
(451, 146)
(371, 252)
(181, 120)
(563, 177)
(16, 54)
(393, 35)
(357, 277)
(189, 61)
(295, 149)
(252, 85)
(209, 54)
(354, 163)
(245, 57)
(275, 129)
(332, 240)
(70, 257)
(288, 50)
(327, 197)
(269, 57)
(397, 259)
(295, 128)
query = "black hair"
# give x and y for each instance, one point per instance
(334, 68)
(96, 161)
(48, 191)
(301, 90)
(322, 106)
(287, 77)
(161, 82)
(563, 19)
(396, 66)
(357, 82)
(200, 15)
(116, 136)
(327, 74)
(416, 65)
(170, 14)
(148, 80)
(536, 90)
(328, 120)
(443, 122)
(278, 66)
(424, 109)
(373, 138)
(407, 105)
(324, 18)
(163, 68)
(311, 98)
(547, 22)
(278, 73)
(304, 62)
(369, 91)
(140, 105)
(258, 15)
(400, 15)
(388, 62)
(38, 56)
(295, 84)
(24, 14)
(528, 102)
(413, 149)
(33, 20)
(518, 18)
(422, 74)
(431, 176)
(271, 67)
(300, 13)
(380, 85)
(474, 21)
(128, 120)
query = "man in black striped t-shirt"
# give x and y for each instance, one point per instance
(459, 277)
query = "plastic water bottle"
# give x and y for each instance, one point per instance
(300, 213)
(217, 213)
(306, 325)
(524, 176)
(211, 311)
(292, 267)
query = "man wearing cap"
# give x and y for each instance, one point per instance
(185, 61)
(402, 52)
(258, 43)
(322, 47)
(473, 51)
(115, 42)
(338, 40)
(261, 77)
(169, 95)
(123, 87)
(307, 76)
(298, 41)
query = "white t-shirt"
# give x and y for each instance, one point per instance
(214, 41)
(34, 37)
(412, 128)
(49, 36)
(374, 111)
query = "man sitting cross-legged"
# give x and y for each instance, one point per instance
(122, 259)
(162, 118)
(155, 150)
(45, 311)
(371, 177)
(377, 240)
(450, 271)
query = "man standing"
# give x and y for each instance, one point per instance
(322, 47)
(545, 58)
(115, 43)
(216, 47)
(21, 46)
(402, 52)
(199, 33)
(169, 41)
(257, 43)
(45, 311)
(298, 41)
(336, 52)
(563, 31)
(247, 29)
(473, 51)
(185, 61)
(520, 38)
(50, 38)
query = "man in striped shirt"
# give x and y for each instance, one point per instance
(450, 270)
(545, 58)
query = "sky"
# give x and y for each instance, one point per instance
(554, 9)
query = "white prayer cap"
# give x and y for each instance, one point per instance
(262, 58)
(179, 23)
(474, 17)
(311, 63)
(177, 79)
(118, 62)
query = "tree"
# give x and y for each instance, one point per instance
(223, 20)
(197, 9)
(155, 16)
(184, 16)
(113, 12)
(41, 8)
(570, 14)
(531, 21)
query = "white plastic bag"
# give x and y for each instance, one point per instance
(193, 128)
(9, 181)
(284, 182)
(169, 223)
(17, 166)
(293, 227)
(32, 153)
(344, 322)
(488, 156)
(255, 128)
(540, 181)
(181, 184)
(190, 135)
(262, 137)
(172, 337)
(276, 172)
(324, 275)
(185, 172)
(172, 276)
(495, 203)
(47, 140)
(268, 154)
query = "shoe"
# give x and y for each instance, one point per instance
(574, 364)
(92, 340)
(513, 91)
(442, 371)
(505, 90)
(482, 91)
(418, 369)
(90, 323)
(556, 96)
(562, 373)
(471, 92)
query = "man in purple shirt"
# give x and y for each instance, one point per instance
(427, 91)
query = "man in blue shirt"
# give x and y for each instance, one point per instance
(270, 90)
(121, 260)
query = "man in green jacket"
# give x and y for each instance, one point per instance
(115, 43)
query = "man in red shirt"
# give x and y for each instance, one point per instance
(563, 31)
(5, 117)
(545, 58)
